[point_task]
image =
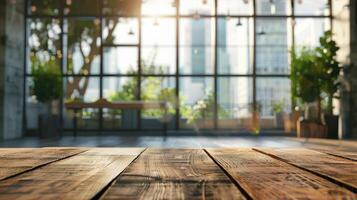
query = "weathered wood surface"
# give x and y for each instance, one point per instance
(15, 161)
(173, 174)
(79, 177)
(341, 170)
(343, 153)
(263, 177)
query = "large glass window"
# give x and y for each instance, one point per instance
(217, 63)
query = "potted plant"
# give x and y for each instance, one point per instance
(278, 110)
(306, 78)
(47, 88)
(327, 61)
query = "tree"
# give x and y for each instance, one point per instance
(306, 78)
(326, 60)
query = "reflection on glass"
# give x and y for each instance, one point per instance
(158, 89)
(309, 30)
(235, 97)
(196, 7)
(83, 53)
(44, 42)
(273, 7)
(159, 50)
(196, 102)
(158, 7)
(235, 41)
(311, 7)
(41, 7)
(196, 46)
(120, 60)
(272, 41)
(273, 99)
(120, 89)
(235, 7)
(120, 31)
(84, 89)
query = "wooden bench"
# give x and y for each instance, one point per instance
(118, 105)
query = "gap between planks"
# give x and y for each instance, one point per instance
(102, 193)
(32, 159)
(265, 177)
(80, 177)
(340, 171)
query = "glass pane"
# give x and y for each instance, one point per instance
(120, 88)
(158, 46)
(235, 46)
(197, 46)
(158, 89)
(197, 7)
(121, 7)
(158, 31)
(312, 7)
(86, 89)
(272, 41)
(82, 88)
(235, 7)
(41, 7)
(83, 43)
(196, 102)
(81, 7)
(120, 60)
(235, 97)
(273, 7)
(158, 7)
(273, 99)
(44, 42)
(309, 30)
(120, 31)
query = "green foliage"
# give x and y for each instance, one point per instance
(203, 109)
(326, 55)
(305, 76)
(314, 73)
(47, 80)
(278, 106)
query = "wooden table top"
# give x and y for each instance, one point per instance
(153, 173)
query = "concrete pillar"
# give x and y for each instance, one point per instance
(11, 67)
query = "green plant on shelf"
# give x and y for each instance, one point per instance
(47, 81)
(278, 106)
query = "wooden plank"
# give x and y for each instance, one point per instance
(16, 161)
(263, 177)
(5, 151)
(173, 174)
(337, 169)
(79, 177)
(343, 153)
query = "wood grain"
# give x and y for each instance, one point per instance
(15, 161)
(343, 153)
(264, 177)
(173, 174)
(79, 177)
(341, 170)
